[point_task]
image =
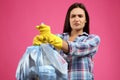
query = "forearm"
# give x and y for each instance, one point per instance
(65, 47)
(86, 47)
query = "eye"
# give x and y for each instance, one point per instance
(72, 16)
(80, 15)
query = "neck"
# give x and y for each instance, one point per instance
(76, 33)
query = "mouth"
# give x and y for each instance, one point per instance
(76, 24)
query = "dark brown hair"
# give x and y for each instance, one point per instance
(67, 27)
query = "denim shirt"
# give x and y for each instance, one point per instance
(80, 55)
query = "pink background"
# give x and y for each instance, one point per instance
(18, 19)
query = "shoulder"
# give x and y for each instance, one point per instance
(62, 35)
(90, 37)
(93, 36)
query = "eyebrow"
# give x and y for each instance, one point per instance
(77, 14)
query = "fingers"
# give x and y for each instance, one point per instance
(37, 40)
(39, 37)
(44, 33)
(38, 26)
(43, 27)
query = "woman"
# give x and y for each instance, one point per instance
(76, 45)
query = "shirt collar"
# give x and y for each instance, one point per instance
(83, 34)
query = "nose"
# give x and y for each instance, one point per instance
(77, 18)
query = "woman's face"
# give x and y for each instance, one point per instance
(77, 19)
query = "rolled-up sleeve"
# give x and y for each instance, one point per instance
(88, 46)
